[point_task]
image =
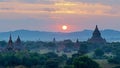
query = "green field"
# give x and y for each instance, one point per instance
(105, 64)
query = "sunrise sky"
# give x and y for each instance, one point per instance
(50, 15)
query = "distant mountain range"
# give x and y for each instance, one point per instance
(109, 35)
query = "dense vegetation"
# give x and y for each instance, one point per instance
(48, 60)
(84, 56)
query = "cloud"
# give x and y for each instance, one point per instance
(108, 2)
(53, 7)
(82, 8)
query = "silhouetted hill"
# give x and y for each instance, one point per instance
(110, 35)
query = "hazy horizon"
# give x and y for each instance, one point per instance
(56, 31)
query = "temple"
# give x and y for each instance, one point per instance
(10, 44)
(14, 47)
(96, 37)
(77, 45)
(54, 40)
(18, 45)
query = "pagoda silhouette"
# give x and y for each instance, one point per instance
(96, 37)
(14, 46)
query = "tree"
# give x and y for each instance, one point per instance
(98, 52)
(51, 63)
(3, 43)
(68, 44)
(116, 67)
(69, 66)
(51, 55)
(85, 62)
(83, 49)
(114, 60)
(62, 58)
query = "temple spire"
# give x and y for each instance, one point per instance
(96, 27)
(18, 45)
(10, 42)
(96, 32)
(77, 41)
(54, 40)
(77, 45)
(18, 40)
(96, 37)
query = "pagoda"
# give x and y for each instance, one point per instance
(18, 45)
(10, 44)
(96, 37)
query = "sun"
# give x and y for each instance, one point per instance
(64, 27)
